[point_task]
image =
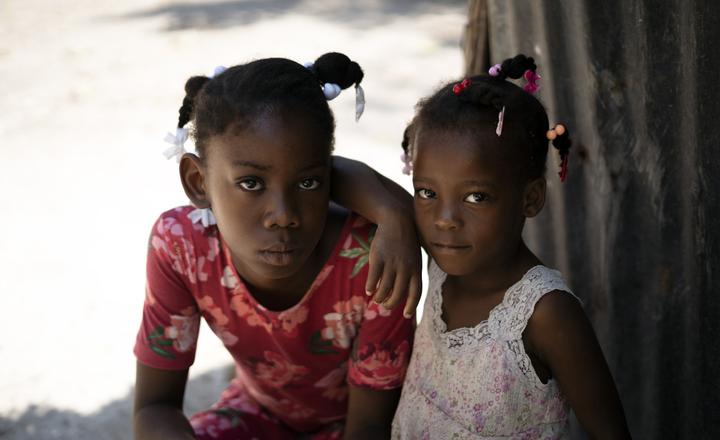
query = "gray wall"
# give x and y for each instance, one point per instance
(635, 227)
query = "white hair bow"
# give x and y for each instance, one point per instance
(202, 215)
(178, 141)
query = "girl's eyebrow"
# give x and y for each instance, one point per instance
(261, 167)
(317, 164)
(479, 183)
(249, 164)
(487, 183)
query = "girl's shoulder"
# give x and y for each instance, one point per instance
(524, 299)
(185, 222)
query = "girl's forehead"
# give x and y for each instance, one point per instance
(457, 156)
(470, 144)
(270, 143)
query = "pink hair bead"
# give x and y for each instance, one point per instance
(532, 78)
(495, 70)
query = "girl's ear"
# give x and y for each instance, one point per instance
(534, 198)
(192, 176)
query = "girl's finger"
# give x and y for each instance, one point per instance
(385, 286)
(399, 290)
(375, 268)
(413, 298)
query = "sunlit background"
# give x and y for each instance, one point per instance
(88, 89)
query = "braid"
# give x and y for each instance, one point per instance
(192, 87)
(560, 137)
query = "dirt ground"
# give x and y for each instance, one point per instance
(87, 91)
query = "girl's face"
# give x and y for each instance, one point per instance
(269, 188)
(469, 203)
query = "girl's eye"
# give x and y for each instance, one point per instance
(250, 184)
(425, 193)
(476, 198)
(309, 184)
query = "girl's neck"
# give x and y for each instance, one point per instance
(494, 278)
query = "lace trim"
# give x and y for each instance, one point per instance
(506, 321)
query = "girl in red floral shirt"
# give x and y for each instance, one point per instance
(280, 275)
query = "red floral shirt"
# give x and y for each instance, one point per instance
(297, 363)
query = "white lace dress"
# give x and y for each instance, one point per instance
(478, 383)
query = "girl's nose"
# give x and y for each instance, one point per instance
(282, 212)
(447, 218)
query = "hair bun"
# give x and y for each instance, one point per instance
(515, 67)
(337, 68)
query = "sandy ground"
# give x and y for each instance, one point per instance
(87, 91)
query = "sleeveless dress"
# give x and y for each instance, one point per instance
(479, 383)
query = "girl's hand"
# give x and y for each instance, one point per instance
(394, 261)
(395, 264)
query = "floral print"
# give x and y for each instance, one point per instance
(342, 324)
(293, 366)
(277, 372)
(382, 363)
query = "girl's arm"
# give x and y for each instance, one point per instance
(370, 413)
(395, 261)
(560, 334)
(158, 404)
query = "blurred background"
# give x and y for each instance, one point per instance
(88, 90)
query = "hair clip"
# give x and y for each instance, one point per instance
(532, 79)
(495, 70)
(501, 120)
(462, 85)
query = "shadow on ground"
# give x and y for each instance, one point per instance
(224, 14)
(110, 422)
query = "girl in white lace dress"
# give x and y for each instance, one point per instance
(504, 349)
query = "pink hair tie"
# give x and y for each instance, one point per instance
(495, 70)
(532, 78)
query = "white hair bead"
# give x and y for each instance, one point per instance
(331, 91)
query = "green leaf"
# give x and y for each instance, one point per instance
(159, 331)
(361, 242)
(318, 345)
(352, 253)
(361, 262)
(164, 342)
(162, 352)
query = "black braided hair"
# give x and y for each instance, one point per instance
(242, 93)
(474, 110)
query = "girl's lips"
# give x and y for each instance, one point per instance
(450, 248)
(450, 245)
(279, 256)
